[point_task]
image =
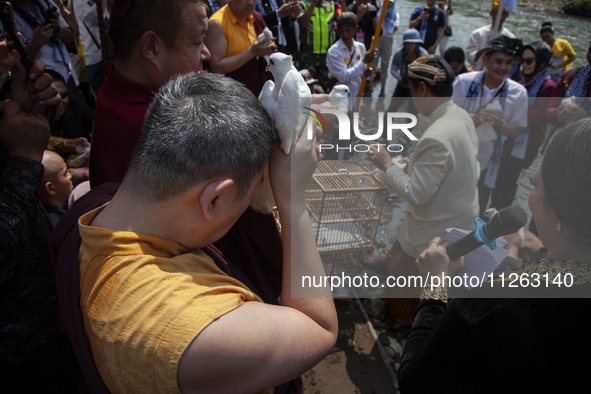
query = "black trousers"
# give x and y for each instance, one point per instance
(505, 189)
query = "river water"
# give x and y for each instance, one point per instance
(524, 23)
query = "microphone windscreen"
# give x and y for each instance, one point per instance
(507, 221)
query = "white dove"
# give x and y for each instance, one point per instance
(338, 97)
(265, 36)
(287, 99)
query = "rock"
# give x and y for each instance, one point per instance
(397, 347)
(544, 5)
(402, 342)
(377, 324)
(390, 353)
(375, 308)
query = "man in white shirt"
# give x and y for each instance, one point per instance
(498, 106)
(481, 37)
(347, 59)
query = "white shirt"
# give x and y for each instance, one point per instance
(86, 16)
(480, 39)
(515, 107)
(347, 66)
(440, 186)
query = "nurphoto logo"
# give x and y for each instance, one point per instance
(346, 133)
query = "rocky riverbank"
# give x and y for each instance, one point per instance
(544, 5)
(557, 6)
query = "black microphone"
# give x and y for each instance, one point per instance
(506, 221)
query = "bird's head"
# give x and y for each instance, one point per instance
(340, 90)
(279, 64)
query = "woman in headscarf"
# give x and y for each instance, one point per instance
(535, 63)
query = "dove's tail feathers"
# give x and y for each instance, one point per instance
(287, 144)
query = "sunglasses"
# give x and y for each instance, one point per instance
(527, 61)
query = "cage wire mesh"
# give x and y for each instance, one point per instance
(345, 201)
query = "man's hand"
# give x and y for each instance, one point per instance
(292, 9)
(488, 115)
(54, 22)
(289, 182)
(263, 48)
(8, 58)
(406, 162)
(23, 134)
(41, 36)
(379, 156)
(34, 91)
(369, 56)
(361, 10)
(82, 145)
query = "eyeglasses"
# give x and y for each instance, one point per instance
(528, 60)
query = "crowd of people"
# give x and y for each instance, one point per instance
(137, 231)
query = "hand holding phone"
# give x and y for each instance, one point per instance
(13, 41)
(51, 17)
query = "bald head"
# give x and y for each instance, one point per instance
(57, 183)
(53, 163)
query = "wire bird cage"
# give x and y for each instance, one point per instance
(345, 201)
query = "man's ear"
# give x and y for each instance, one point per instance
(421, 89)
(212, 195)
(484, 58)
(48, 187)
(150, 44)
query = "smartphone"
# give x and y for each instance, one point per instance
(48, 13)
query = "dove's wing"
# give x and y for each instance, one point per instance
(267, 97)
(266, 35)
(305, 102)
(291, 111)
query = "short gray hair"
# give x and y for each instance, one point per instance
(200, 126)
